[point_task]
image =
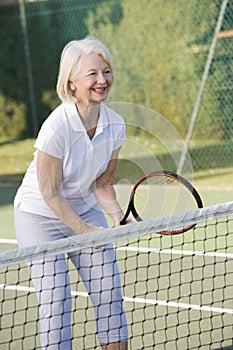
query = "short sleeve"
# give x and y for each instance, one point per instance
(50, 141)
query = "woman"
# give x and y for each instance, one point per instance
(65, 189)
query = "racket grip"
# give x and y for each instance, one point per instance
(123, 221)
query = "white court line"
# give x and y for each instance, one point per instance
(8, 241)
(32, 290)
(177, 252)
(136, 300)
(153, 250)
(180, 305)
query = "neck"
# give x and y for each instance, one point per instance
(89, 117)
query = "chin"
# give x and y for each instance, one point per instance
(102, 99)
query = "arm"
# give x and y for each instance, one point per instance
(105, 193)
(49, 173)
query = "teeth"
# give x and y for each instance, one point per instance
(99, 89)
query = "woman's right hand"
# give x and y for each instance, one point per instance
(88, 228)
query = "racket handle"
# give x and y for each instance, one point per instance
(123, 221)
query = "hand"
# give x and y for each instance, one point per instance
(117, 222)
(128, 221)
(87, 228)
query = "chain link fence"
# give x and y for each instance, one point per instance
(161, 52)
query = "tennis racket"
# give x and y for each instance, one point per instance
(162, 193)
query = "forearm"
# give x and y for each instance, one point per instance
(66, 214)
(49, 173)
(106, 197)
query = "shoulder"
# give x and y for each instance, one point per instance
(55, 134)
(60, 116)
(112, 116)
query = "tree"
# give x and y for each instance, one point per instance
(160, 48)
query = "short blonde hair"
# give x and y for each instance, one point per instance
(69, 64)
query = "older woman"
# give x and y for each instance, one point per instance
(64, 192)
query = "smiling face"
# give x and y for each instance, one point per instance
(94, 81)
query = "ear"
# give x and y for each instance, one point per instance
(72, 86)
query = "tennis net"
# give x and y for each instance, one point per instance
(177, 290)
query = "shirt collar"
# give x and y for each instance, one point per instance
(103, 120)
(76, 122)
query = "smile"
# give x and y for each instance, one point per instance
(99, 90)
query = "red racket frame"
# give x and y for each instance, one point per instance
(183, 181)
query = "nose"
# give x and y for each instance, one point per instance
(101, 78)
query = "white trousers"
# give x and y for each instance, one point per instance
(97, 268)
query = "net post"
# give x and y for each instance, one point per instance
(29, 66)
(202, 87)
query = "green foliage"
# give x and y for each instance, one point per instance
(50, 99)
(12, 118)
(159, 53)
(50, 25)
(160, 49)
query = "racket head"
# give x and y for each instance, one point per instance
(163, 193)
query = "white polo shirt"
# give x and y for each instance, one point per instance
(63, 136)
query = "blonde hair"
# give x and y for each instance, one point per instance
(69, 63)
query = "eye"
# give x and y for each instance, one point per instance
(107, 71)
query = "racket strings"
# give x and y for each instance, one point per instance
(161, 196)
